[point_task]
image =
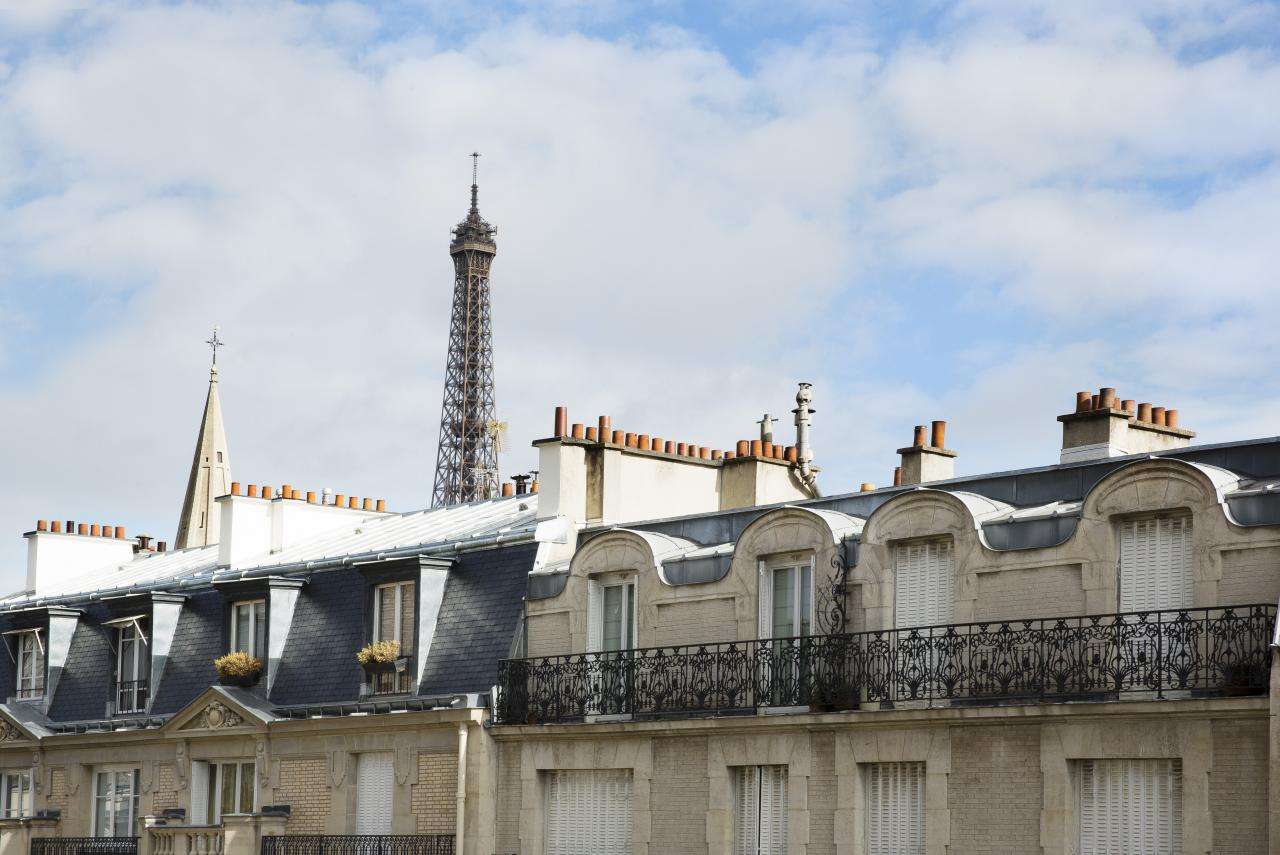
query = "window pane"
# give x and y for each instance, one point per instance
(613, 599)
(102, 815)
(260, 629)
(127, 644)
(407, 600)
(631, 616)
(386, 614)
(245, 803)
(783, 603)
(244, 631)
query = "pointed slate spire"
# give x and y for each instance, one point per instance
(210, 470)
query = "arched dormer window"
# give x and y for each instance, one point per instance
(1155, 562)
(611, 614)
(786, 598)
(923, 582)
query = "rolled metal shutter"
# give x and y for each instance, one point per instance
(895, 808)
(375, 776)
(1129, 806)
(588, 811)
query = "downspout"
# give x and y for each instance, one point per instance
(804, 451)
(461, 825)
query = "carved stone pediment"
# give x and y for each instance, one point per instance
(10, 733)
(214, 716)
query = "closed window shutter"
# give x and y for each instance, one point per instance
(595, 616)
(408, 599)
(588, 811)
(894, 808)
(200, 774)
(924, 583)
(1129, 806)
(1155, 564)
(375, 773)
(773, 810)
(746, 804)
(765, 588)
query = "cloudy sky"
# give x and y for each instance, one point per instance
(964, 210)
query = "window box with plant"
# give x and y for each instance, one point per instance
(381, 657)
(238, 669)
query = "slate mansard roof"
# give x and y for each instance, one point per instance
(491, 548)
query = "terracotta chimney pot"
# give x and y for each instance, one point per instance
(253, 491)
(162, 546)
(606, 428)
(1144, 412)
(1095, 402)
(353, 503)
(729, 455)
(71, 526)
(918, 439)
(897, 476)
(576, 431)
(533, 488)
(642, 441)
(744, 447)
(508, 489)
(1171, 418)
(629, 440)
(682, 449)
(766, 449)
(669, 447)
(717, 454)
(939, 434)
(380, 506)
(368, 504)
(562, 421)
(867, 487)
(757, 447)
(1157, 416)
(1127, 405)
(56, 526)
(591, 434)
(1107, 397)
(95, 530)
(1083, 400)
(311, 497)
(42, 525)
(704, 453)
(656, 444)
(119, 532)
(235, 488)
(619, 437)
(82, 528)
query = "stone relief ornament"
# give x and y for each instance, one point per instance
(9, 733)
(216, 716)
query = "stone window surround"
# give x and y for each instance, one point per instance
(855, 750)
(785, 749)
(539, 757)
(1188, 741)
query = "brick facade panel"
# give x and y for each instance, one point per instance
(1033, 592)
(165, 794)
(548, 634)
(435, 796)
(995, 790)
(509, 796)
(697, 622)
(304, 786)
(822, 795)
(679, 796)
(1238, 787)
(1250, 576)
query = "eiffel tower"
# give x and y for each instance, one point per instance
(467, 459)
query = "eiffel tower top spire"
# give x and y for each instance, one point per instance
(467, 455)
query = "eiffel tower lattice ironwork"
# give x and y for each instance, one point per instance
(467, 460)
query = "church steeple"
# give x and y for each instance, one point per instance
(210, 469)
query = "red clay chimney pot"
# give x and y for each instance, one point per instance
(939, 434)
(562, 421)
(576, 431)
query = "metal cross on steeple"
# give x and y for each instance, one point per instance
(215, 343)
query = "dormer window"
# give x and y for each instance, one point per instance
(133, 665)
(30, 660)
(249, 627)
(394, 615)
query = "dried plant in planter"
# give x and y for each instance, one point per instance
(379, 657)
(238, 669)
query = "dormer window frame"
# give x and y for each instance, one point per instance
(397, 582)
(26, 686)
(259, 627)
(130, 640)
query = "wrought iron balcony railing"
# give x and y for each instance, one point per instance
(131, 696)
(1201, 651)
(358, 844)
(84, 846)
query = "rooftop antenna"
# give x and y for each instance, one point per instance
(766, 427)
(475, 180)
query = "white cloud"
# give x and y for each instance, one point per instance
(674, 232)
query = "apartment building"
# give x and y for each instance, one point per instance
(1077, 658)
(670, 648)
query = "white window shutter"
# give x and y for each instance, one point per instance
(201, 772)
(375, 777)
(773, 810)
(1155, 564)
(589, 811)
(894, 808)
(765, 596)
(924, 584)
(1129, 806)
(595, 616)
(746, 803)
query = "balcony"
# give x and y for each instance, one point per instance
(1192, 652)
(359, 844)
(130, 697)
